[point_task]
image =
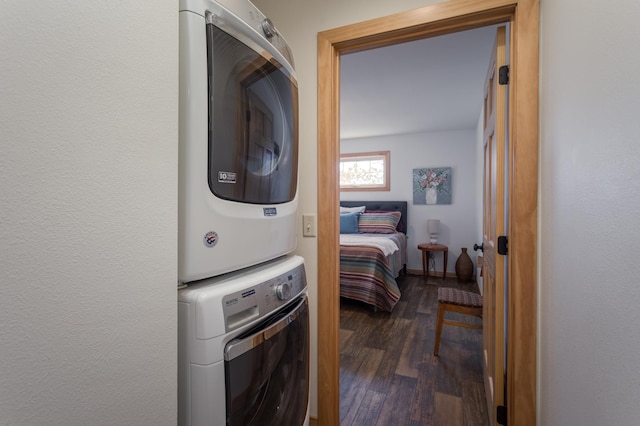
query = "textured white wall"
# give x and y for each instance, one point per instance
(455, 149)
(590, 213)
(88, 119)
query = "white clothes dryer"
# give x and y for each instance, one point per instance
(238, 141)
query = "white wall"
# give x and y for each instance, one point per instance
(88, 119)
(590, 213)
(455, 149)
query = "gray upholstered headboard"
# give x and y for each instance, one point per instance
(400, 206)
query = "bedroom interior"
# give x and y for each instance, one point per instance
(388, 329)
(387, 376)
(387, 300)
(425, 113)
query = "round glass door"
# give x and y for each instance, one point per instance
(253, 123)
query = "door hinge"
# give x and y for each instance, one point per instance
(501, 415)
(503, 245)
(503, 75)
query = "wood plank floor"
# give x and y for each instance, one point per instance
(388, 374)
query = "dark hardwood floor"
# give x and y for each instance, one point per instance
(388, 374)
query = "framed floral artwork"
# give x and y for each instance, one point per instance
(432, 185)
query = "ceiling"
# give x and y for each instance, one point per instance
(428, 85)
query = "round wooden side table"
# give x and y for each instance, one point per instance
(433, 248)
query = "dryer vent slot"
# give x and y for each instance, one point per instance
(241, 318)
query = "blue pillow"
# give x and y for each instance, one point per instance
(349, 223)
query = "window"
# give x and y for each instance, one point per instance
(364, 171)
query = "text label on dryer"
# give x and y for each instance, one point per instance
(226, 177)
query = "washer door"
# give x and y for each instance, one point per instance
(267, 371)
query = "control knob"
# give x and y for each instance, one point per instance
(268, 28)
(283, 291)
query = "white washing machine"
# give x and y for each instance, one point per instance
(243, 347)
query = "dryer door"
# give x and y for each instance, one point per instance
(267, 371)
(253, 122)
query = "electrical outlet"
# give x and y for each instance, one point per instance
(308, 225)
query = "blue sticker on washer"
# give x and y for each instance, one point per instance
(210, 239)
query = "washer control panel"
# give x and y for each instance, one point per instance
(245, 306)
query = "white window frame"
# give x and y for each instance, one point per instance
(385, 185)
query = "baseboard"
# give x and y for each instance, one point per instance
(432, 274)
(436, 274)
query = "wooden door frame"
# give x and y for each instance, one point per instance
(442, 18)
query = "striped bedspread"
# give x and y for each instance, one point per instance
(367, 275)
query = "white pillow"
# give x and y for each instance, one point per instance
(359, 209)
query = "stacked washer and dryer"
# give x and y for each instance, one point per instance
(243, 319)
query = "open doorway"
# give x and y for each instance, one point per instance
(420, 101)
(443, 18)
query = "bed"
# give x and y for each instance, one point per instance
(369, 264)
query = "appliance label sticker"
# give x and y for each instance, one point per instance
(210, 239)
(270, 211)
(226, 177)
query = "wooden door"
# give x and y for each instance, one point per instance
(494, 222)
